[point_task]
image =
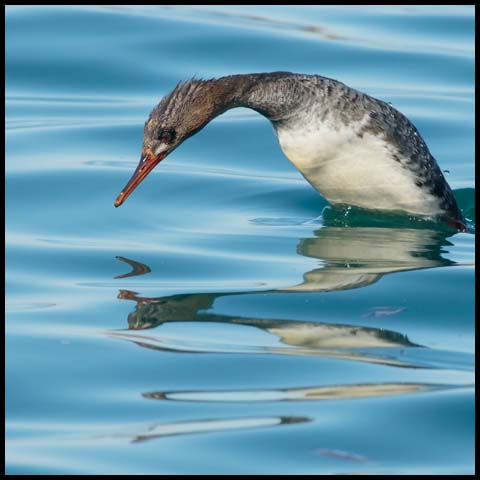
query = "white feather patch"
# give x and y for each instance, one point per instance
(354, 170)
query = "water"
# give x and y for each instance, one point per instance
(222, 321)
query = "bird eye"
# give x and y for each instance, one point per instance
(167, 136)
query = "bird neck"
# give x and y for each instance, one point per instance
(270, 94)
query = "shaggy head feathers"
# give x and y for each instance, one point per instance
(186, 109)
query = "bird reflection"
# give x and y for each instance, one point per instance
(316, 393)
(351, 258)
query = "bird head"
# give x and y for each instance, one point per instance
(179, 115)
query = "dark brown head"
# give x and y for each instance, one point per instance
(179, 115)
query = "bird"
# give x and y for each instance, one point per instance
(354, 149)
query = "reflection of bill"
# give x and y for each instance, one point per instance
(350, 257)
(190, 427)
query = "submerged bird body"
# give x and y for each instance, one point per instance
(354, 149)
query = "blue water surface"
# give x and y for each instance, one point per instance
(224, 320)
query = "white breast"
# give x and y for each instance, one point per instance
(354, 170)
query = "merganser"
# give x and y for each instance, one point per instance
(355, 150)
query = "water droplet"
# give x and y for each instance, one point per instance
(390, 103)
(446, 172)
